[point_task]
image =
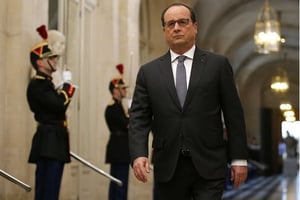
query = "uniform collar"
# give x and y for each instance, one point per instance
(43, 75)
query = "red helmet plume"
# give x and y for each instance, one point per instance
(42, 31)
(120, 68)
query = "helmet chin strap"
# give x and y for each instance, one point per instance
(51, 66)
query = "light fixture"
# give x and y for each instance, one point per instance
(289, 113)
(267, 34)
(290, 119)
(280, 80)
(285, 106)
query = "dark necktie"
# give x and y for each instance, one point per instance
(181, 86)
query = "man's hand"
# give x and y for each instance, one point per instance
(238, 175)
(141, 167)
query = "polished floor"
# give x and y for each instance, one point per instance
(277, 187)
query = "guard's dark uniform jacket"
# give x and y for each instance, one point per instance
(49, 105)
(117, 149)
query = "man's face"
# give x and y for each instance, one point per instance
(48, 65)
(120, 92)
(123, 92)
(180, 31)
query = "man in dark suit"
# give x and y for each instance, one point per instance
(50, 143)
(117, 149)
(190, 152)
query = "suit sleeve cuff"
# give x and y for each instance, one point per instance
(239, 163)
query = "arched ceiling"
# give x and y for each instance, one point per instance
(226, 27)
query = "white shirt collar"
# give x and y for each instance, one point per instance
(189, 54)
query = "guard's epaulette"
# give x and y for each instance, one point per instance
(111, 102)
(39, 77)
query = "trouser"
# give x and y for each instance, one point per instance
(48, 177)
(121, 172)
(154, 192)
(186, 184)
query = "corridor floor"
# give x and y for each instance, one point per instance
(267, 188)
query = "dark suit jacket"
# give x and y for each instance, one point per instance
(198, 124)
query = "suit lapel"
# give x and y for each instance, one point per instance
(167, 77)
(198, 65)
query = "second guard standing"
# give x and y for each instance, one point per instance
(117, 150)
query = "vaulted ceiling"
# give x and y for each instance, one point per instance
(227, 27)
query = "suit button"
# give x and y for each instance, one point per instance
(185, 152)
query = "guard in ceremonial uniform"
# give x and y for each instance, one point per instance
(50, 143)
(117, 150)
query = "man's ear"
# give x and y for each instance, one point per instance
(39, 62)
(114, 91)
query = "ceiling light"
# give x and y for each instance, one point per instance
(267, 34)
(289, 113)
(285, 106)
(280, 80)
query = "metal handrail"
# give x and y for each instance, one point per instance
(15, 180)
(93, 167)
(83, 161)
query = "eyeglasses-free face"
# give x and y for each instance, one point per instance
(181, 22)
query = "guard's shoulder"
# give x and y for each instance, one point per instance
(111, 102)
(38, 77)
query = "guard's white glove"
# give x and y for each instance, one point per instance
(129, 101)
(67, 76)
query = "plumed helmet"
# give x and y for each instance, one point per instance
(53, 44)
(56, 41)
(117, 82)
(40, 51)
